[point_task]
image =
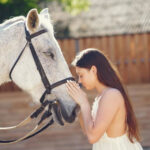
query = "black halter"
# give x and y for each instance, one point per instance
(47, 85)
(48, 88)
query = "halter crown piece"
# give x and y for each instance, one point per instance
(53, 105)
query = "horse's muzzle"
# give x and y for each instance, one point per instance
(65, 115)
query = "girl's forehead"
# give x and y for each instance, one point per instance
(80, 70)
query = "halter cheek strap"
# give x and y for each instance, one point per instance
(36, 59)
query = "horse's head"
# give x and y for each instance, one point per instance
(25, 73)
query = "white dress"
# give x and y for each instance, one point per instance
(113, 143)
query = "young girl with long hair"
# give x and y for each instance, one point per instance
(111, 124)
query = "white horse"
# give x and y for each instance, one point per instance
(25, 73)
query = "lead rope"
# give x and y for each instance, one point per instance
(35, 114)
(38, 128)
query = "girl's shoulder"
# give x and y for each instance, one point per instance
(110, 91)
(113, 91)
(112, 94)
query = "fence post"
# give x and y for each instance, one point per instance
(77, 46)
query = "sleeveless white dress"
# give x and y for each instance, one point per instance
(113, 143)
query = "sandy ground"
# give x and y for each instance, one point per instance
(15, 106)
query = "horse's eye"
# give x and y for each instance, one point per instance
(52, 55)
(49, 54)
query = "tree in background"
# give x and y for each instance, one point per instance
(74, 7)
(11, 8)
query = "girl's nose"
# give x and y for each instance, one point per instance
(80, 84)
(79, 81)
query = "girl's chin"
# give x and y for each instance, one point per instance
(89, 88)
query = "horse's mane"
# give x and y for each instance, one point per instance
(11, 21)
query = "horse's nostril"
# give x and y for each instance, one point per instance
(77, 110)
(56, 112)
(68, 116)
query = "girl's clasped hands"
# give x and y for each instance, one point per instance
(76, 92)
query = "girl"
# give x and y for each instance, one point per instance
(111, 125)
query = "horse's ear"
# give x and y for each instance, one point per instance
(45, 13)
(32, 22)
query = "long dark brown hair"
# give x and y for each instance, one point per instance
(108, 74)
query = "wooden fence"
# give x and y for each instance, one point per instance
(130, 53)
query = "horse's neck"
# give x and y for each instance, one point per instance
(11, 42)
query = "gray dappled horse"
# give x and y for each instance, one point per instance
(17, 63)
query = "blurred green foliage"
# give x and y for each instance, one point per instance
(75, 6)
(11, 8)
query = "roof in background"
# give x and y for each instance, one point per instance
(106, 17)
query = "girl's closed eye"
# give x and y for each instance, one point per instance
(80, 76)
